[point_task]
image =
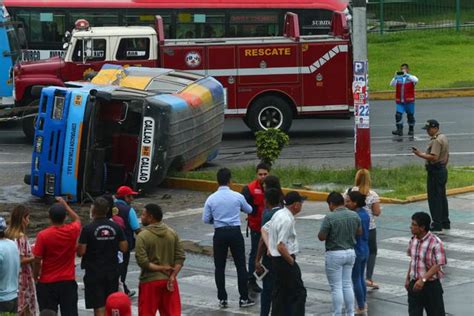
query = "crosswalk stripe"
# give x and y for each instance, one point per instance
(313, 217)
(187, 212)
(401, 255)
(459, 247)
(459, 233)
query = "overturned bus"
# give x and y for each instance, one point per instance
(128, 126)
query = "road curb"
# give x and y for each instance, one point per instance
(211, 186)
(426, 94)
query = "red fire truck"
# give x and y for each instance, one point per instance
(269, 81)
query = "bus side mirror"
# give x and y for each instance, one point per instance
(22, 38)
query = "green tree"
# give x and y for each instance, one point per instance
(270, 143)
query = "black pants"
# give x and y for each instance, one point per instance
(97, 287)
(289, 292)
(372, 253)
(437, 201)
(63, 293)
(123, 267)
(10, 306)
(225, 238)
(254, 239)
(429, 298)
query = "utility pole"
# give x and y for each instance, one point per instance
(360, 86)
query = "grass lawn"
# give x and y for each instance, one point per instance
(404, 181)
(439, 58)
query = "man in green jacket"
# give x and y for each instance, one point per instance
(160, 255)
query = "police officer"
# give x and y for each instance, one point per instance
(436, 156)
(405, 99)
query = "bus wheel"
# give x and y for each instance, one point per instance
(270, 112)
(28, 123)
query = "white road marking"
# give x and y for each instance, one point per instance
(312, 217)
(187, 212)
(459, 247)
(466, 153)
(14, 162)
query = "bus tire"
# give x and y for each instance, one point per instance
(29, 123)
(270, 112)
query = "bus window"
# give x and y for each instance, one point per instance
(315, 22)
(254, 24)
(109, 18)
(199, 25)
(148, 19)
(98, 51)
(41, 27)
(133, 49)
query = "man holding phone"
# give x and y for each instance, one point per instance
(436, 156)
(405, 99)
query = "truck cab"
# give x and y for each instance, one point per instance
(88, 49)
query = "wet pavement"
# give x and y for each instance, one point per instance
(196, 281)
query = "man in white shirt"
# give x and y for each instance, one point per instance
(279, 234)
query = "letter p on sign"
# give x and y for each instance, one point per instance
(359, 68)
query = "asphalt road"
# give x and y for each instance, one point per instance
(314, 142)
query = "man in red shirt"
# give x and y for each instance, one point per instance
(255, 196)
(54, 252)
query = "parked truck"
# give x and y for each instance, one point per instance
(268, 81)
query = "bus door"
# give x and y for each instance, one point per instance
(9, 54)
(50, 132)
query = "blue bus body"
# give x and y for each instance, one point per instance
(92, 138)
(9, 54)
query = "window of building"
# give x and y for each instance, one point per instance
(133, 49)
(97, 53)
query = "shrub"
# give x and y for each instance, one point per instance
(270, 143)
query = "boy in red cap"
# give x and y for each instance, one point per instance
(123, 200)
(118, 304)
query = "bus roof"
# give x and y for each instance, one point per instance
(334, 5)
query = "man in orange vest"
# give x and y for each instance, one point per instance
(254, 194)
(405, 99)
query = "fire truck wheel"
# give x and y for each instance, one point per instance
(270, 112)
(28, 123)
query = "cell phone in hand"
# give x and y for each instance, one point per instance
(414, 148)
(400, 73)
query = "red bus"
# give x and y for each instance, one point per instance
(46, 21)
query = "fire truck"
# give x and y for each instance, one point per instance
(268, 81)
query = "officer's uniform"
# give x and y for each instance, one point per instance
(436, 183)
(405, 100)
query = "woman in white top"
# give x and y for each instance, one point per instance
(362, 184)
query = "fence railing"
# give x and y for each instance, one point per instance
(399, 15)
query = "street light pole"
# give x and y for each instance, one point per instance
(360, 85)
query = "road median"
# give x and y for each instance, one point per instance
(426, 94)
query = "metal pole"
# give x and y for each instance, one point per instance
(359, 87)
(458, 15)
(381, 13)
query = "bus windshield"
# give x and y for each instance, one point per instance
(15, 50)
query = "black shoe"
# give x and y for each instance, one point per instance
(253, 286)
(411, 132)
(223, 304)
(246, 303)
(446, 226)
(398, 132)
(437, 231)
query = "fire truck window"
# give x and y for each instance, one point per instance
(43, 27)
(200, 25)
(243, 24)
(98, 51)
(133, 49)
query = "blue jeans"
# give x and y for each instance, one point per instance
(358, 278)
(339, 265)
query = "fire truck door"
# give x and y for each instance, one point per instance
(222, 65)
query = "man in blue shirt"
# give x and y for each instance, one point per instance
(123, 200)
(9, 270)
(222, 209)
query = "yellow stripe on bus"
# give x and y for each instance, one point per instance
(135, 82)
